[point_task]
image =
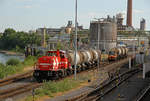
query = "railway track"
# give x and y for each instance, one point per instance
(18, 90)
(15, 78)
(26, 87)
(145, 95)
(105, 88)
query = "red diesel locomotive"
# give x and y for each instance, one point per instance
(54, 64)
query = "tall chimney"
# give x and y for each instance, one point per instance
(129, 13)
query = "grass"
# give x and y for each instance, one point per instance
(29, 61)
(51, 89)
(14, 66)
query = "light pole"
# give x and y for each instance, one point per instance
(75, 59)
(98, 43)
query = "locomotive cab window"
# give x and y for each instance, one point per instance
(62, 56)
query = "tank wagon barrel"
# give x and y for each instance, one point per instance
(86, 56)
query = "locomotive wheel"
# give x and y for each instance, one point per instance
(60, 74)
(39, 80)
(65, 73)
(56, 76)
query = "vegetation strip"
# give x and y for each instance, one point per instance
(10, 80)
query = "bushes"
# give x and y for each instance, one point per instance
(13, 61)
(1, 70)
(30, 60)
(15, 66)
(50, 88)
(12, 66)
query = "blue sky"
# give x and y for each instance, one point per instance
(31, 14)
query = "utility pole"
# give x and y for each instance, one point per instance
(75, 71)
(104, 40)
(98, 42)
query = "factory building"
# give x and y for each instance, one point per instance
(120, 19)
(142, 24)
(120, 26)
(63, 30)
(50, 31)
(107, 30)
(128, 26)
(134, 41)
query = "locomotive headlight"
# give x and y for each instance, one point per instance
(36, 66)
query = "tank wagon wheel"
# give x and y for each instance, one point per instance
(83, 68)
(78, 69)
(96, 63)
(62, 74)
(69, 72)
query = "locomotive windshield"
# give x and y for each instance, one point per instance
(51, 54)
(111, 53)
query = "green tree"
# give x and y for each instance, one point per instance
(12, 39)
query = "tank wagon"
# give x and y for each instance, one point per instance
(117, 53)
(58, 63)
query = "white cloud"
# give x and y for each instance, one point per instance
(137, 11)
(134, 11)
(25, 0)
(28, 6)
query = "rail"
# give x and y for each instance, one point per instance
(14, 78)
(144, 94)
(18, 90)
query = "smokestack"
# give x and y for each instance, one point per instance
(129, 13)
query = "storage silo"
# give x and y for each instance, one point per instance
(107, 30)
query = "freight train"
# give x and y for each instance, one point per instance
(58, 64)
